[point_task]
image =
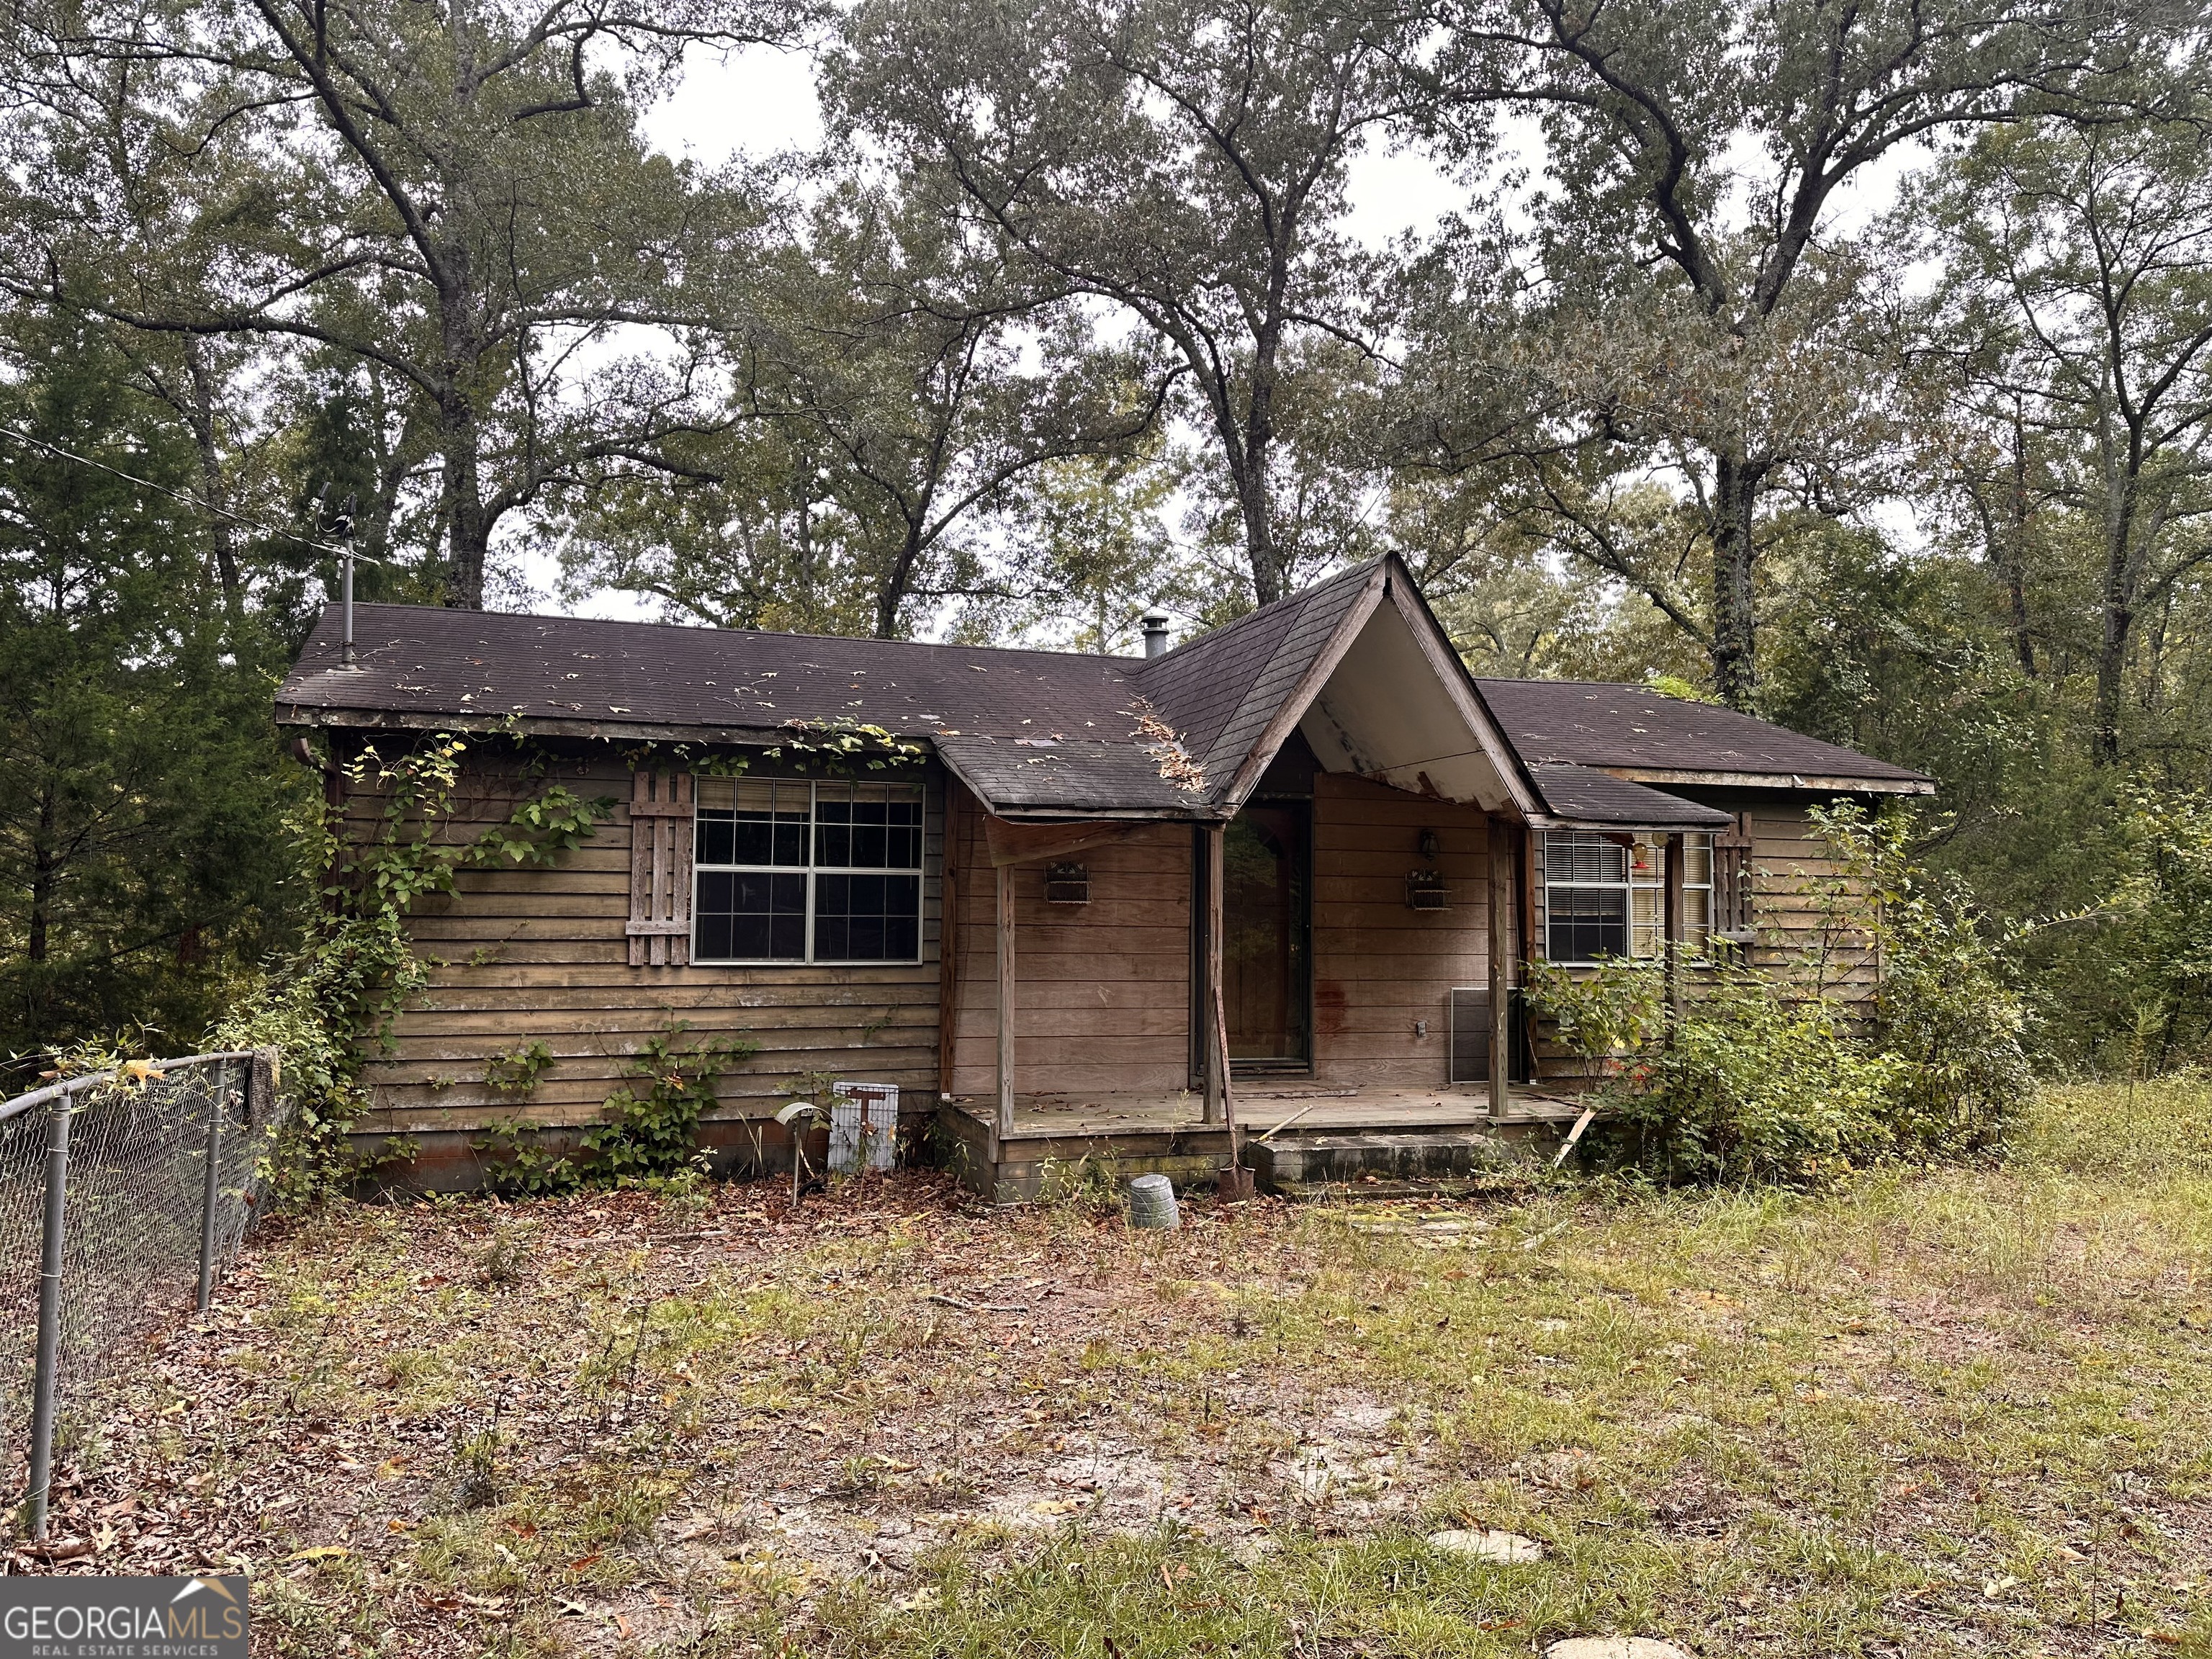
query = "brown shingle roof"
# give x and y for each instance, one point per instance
(1644, 733)
(1037, 730)
(1222, 689)
(1033, 730)
(421, 661)
(1587, 795)
(1036, 775)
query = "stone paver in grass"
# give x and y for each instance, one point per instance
(1487, 1545)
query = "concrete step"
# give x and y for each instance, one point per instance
(1374, 1189)
(1340, 1157)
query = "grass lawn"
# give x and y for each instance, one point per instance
(1947, 1411)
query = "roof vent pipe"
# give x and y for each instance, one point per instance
(1155, 632)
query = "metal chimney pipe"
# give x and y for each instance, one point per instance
(347, 659)
(1155, 632)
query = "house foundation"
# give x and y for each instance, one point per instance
(1298, 1142)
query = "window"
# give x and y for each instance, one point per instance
(1697, 891)
(1606, 895)
(1585, 896)
(794, 871)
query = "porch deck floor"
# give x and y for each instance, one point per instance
(1261, 1104)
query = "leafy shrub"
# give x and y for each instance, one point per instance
(648, 1129)
(1943, 1007)
(1769, 1074)
(518, 1162)
(518, 1070)
(652, 1131)
(2152, 955)
(1605, 1012)
(301, 1012)
(1754, 1081)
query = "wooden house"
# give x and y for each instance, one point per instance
(1311, 830)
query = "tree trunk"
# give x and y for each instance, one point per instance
(1253, 502)
(38, 932)
(1253, 506)
(2118, 606)
(2112, 656)
(2157, 632)
(893, 593)
(461, 351)
(2015, 572)
(467, 533)
(2129, 535)
(221, 537)
(1734, 647)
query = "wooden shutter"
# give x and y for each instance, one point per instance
(1732, 918)
(661, 811)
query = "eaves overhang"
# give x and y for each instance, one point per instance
(320, 717)
(312, 717)
(1668, 825)
(1800, 782)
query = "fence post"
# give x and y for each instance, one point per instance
(50, 1314)
(209, 1193)
(260, 1088)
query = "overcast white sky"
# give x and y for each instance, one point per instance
(761, 100)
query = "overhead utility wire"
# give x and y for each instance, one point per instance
(194, 501)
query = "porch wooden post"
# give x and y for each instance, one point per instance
(1676, 926)
(1213, 992)
(948, 940)
(1501, 960)
(1005, 877)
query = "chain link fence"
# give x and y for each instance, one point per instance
(123, 1196)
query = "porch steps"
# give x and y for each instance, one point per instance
(1371, 1160)
(1375, 1190)
(1434, 1149)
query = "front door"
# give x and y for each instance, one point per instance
(1264, 947)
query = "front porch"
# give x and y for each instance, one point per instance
(1299, 1136)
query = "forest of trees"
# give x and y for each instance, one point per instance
(1849, 364)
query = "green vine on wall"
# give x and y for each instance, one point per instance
(844, 745)
(517, 1071)
(836, 748)
(650, 1126)
(339, 998)
(648, 1130)
(694, 758)
(839, 747)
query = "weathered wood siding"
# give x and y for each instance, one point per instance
(523, 955)
(1102, 999)
(1102, 991)
(1379, 965)
(1792, 865)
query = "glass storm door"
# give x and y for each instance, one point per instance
(1264, 924)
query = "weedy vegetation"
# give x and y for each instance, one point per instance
(1965, 1409)
(1781, 1068)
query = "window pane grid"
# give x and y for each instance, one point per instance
(794, 871)
(1607, 897)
